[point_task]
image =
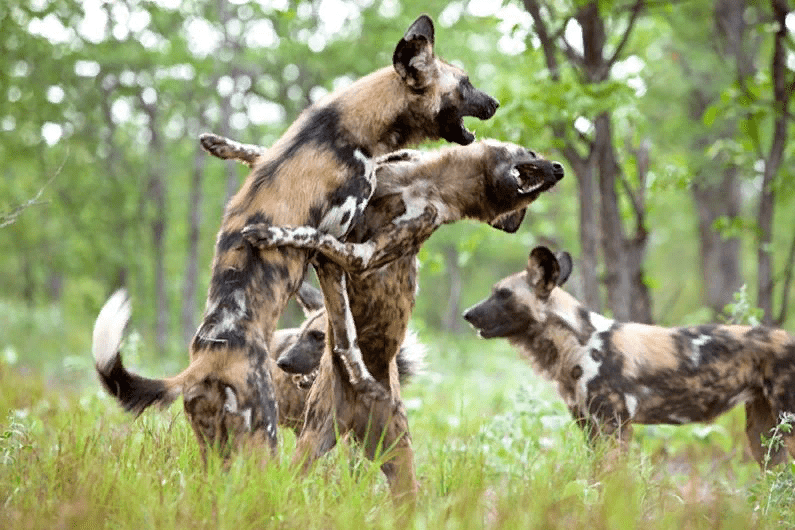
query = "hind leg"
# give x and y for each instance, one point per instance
(759, 421)
(382, 428)
(327, 413)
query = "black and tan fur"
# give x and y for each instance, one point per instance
(298, 352)
(319, 173)
(613, 374)
(416, 193)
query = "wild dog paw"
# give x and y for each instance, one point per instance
(258, 234)
(371, 390)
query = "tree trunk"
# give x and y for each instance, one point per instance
(157, 196)
(720, 256)
(782, 90)
(617, 272)
(589, 235)
(452, 315)
(190, 283)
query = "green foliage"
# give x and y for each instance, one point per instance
(742, 311)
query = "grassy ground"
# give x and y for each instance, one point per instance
(494, 449)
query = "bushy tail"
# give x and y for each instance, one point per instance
(134, 393)
(411, 357)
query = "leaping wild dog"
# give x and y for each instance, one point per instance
(300, 350)
(319, 173)
(613, 374)
(416, 193)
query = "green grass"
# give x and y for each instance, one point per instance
(494, 448)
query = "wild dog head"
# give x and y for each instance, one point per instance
(518, 176)
(447, 89)
(518, 303)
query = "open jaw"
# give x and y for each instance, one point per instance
(529, 181)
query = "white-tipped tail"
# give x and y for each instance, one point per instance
(109, 328)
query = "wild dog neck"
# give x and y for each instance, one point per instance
(556, 332)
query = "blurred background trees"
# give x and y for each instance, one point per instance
(672, 119)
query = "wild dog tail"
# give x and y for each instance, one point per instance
(134, 393)
(227, 149)
(411, 357)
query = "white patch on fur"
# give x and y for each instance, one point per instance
(600, 323)
(695, 348)
(332, 222)
(590, 368)
(632, 404)
(230, 317)
(742, 397)
(230, 403)
(678, 420)
(247, 418)
(109, 328)
(369, 168)
(354, 354)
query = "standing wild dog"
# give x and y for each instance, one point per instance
(319, 173)
(416, 193)
(613, 374)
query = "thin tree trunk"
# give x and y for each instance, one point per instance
(190, 283)
(157, 195)
(452, 316)
(617, 273)
(782, 90)
(720, 256)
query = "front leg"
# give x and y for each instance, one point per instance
(344, 343)
(389, 244)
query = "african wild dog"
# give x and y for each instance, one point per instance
(319, 173)
(613, 374)
(300, 350)
(416, 193)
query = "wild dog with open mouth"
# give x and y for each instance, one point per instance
(415, 194)
(299, 350)
(319, 173)
(613, 374)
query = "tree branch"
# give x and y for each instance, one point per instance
(10, 218)
(636, 9)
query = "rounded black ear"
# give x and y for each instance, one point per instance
(422, 27)
(543, 271)
(566, 265)
(509, 222)
(413, 55)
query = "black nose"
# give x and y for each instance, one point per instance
(557, 170)
(467, 315)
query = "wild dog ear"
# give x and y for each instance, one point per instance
(413, 55)
(509, 222)
(566, 265)
(309, 298)
(543, 271)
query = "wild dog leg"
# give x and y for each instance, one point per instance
(759, 421)
(227, 149)
(344, 344)
(392, 243)
(386, 429)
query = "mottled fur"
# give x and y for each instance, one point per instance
(613, 374)
(319, 173)
(416, 193)
(295, 358)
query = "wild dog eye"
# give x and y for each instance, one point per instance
(502, 294)
(317, 336)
